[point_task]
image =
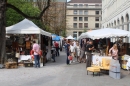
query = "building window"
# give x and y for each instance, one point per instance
(97, 12)
(96, 18)
(85, 25)
(80, 5)
(75, 34)
(75, 25)
(86, 5)
(85, 18)
(80, 12)
(75, 5)
(80, 25)
(75, 18)
(68, 4)
(80, 33)
(97, 25)
(96, 5)
(85, 12)
(80, 19)
(75, 11)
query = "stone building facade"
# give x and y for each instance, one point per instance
(82, 15)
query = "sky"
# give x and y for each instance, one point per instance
(68, 0)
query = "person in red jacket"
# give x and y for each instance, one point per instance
(56, 44)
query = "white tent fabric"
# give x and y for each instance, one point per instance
(26, 27)
(70, 37)
(105, 33)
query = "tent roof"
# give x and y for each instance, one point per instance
(70, 37)
(55, 37)
(105, 33)
(25, 27)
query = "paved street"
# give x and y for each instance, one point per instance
(58, 74)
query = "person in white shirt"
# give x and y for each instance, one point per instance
(74, 44)
(78, 52)
(72, 50)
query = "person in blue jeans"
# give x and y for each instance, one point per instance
(37, 58)
(36, 49)
(67, 47)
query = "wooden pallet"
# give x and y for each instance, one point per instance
(11, 65)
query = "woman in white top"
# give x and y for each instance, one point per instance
(78, 51)
(114, 52)
(72, 50)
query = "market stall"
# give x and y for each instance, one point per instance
(21, 37)
(104, 33)
(109, 33)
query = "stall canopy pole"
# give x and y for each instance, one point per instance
(40, 40)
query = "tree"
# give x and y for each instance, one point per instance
(12, 17)
(3, 7)
(54, 17)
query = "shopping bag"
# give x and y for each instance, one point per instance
(70, 57)
(17, 55)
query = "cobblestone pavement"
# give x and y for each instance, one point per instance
(59, 74)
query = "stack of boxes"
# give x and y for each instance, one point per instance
(124, 61)
(114, 71)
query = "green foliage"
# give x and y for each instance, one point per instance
(85, 30)
(12, 17)
(63, 33)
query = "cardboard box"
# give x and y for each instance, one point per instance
(11, 65)
(114, 75)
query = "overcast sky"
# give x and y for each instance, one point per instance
(68, 0)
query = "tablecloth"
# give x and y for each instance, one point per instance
(96, 59)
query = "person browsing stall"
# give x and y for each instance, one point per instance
(89, 50)
(36, 49)
(114, 52)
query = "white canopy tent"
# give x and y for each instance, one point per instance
(104, 33)
(70, 37)
(26, 27)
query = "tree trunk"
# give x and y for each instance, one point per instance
(2, 30)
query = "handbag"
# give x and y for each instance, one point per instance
(70, 57)
(17, 55)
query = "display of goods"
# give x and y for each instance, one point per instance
(124, 62)
(125, 57)
(124, 66)
(11, 65)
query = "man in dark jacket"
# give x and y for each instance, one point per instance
(89, 50)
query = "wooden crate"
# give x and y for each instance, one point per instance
(28, 64)
(11, 65)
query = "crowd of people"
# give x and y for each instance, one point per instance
(83, 52)
(80, 52)
(75, 51)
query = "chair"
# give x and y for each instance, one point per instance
(93, 69)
